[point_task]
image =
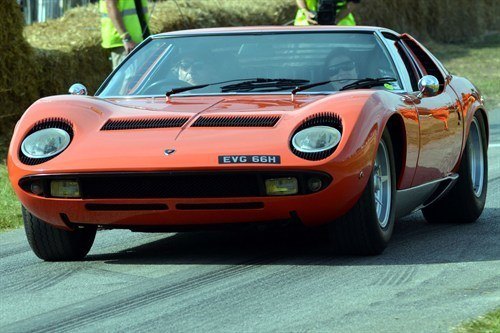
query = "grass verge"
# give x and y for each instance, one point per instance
(10, 208)
(479, 62)
(489, 323)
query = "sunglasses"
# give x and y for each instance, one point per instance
(343, 66)
(191, 64)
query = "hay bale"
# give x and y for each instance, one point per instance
(449, 21)
(17, 70)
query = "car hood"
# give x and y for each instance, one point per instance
(235, 125)
(216, 104)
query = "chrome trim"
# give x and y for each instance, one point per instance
(382, 185)
(452, 180)
(476, 162)
(428, 86)
(266, 30)
(78, 89)
(398, 62)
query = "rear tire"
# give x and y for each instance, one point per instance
(53, 244)
(367, 228)
(465, 202)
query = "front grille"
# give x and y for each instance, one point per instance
(170, 186)
(236, 121)
(143, 123)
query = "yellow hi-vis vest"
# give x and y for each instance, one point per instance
(110, 37)
(312, 5)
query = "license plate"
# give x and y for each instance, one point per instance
(249, 159)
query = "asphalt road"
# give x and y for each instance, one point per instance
(430, 278)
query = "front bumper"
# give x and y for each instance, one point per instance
(186, 198)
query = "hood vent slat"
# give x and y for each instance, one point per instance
(143, 123)
(236, 121)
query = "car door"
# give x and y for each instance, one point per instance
(439, 117)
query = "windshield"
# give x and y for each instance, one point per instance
(172, 62)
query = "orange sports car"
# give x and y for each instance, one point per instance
(348, 128)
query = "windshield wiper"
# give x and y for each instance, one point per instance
(199, 86)
(260, 83)
(368, 83)
(246, 81)
(315, 84)
(358, 83)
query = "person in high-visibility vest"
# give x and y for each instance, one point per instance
(124, 24)
(307, 13)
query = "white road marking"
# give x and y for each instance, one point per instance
(494, 145)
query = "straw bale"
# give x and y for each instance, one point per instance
(448, 21)
(17, 69)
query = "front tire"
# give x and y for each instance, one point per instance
(367, 228)
(53, 244)
(465, 202)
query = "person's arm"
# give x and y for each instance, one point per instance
(117, 20)
(310, 15)
(346, 11)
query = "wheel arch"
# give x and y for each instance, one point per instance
(395, 126)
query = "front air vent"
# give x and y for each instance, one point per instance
(320, 119)
(44, 124)
(143, 123)
(236, 121)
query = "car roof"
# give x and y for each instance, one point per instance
(271, 29)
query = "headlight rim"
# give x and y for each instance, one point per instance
(59, 123)
(329, 119)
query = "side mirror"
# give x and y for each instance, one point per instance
(77, 89)
(428, 86)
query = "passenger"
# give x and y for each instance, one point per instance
(194, 72)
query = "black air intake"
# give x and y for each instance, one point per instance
(236, 121)
(143, 123)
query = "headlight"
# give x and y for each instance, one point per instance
(45, 143)
(316, 139)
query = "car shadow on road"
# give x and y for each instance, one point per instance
(414, 242)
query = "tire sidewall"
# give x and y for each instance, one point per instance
(467, 189)
(384, 234)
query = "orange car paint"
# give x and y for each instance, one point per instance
(363, 114)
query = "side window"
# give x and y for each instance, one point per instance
(411, 69)
(428, 65)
